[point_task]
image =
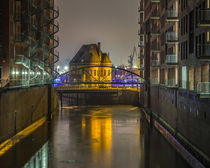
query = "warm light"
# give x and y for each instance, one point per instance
(17, 73)
(58, 67)
(13, 72)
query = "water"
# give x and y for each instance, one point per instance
(94, 137)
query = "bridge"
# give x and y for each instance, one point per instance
(123, 88)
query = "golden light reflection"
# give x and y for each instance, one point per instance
(100, 130)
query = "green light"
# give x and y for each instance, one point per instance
(115, 67)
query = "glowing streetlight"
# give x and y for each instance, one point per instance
(66, 68)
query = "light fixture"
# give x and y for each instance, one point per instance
(66, 68)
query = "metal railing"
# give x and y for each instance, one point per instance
(154, 81)
(141, 43)
(204, 17)
(171, 83)
(203, 50)
(155, 29)
(171, 36)
(140, 8)
(22, 60)
(155, 63)
(155, 14)
(171, 59)
(155, 1)
(171, 14)
(203, 88)
(140, 20)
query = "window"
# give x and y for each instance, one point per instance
(104, 72)
(109, 72)
(94, 72)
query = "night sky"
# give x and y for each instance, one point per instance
(114, 23)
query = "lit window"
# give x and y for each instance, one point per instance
(104, 72)
(94, 72)
(208, 37)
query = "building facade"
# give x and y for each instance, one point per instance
(27, 41)
(91, 65)
(175, 57)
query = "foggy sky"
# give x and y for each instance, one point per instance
(111, 22)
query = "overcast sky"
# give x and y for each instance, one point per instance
(111, 22)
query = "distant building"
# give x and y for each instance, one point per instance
(91, 57)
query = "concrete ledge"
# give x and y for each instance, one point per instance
(193, 162)
(6, 145)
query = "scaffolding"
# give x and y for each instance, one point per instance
(35, 42)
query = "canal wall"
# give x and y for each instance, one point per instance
(103, 97)
(185, 116)
(20, 108)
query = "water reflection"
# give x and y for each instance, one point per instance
(95, 137)
(40, 158)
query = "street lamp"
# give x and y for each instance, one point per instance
(66, 68)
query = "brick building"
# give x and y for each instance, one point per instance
(175, 57)
(27, 41)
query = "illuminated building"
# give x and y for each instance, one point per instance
(174, 43)
(91, 65)
(175, 57)
(27, 41)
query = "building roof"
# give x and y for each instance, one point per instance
(106, 59)
(90, 54)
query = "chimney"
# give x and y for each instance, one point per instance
(99, 47)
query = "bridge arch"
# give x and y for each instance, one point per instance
(119, 76)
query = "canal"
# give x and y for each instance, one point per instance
(94, 137)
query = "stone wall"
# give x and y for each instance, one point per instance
(21, 107)
(187, 114)
(108, 97)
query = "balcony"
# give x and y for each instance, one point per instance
(155, 1)
(172, 83)
(140, 32)
(140, 9)
(141, 55)
(155, 63)
(155, 30)
(204, 19)
(203, 89)
(140, 20)
(155, 47)
(39, 64)
(22, 60)
(141, 44)
(171, 59)
(171, 37)
(141, 66)
(154, 81)
(171, 15)
(155, 15)
(203, 51)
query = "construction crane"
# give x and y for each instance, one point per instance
(131, 57)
